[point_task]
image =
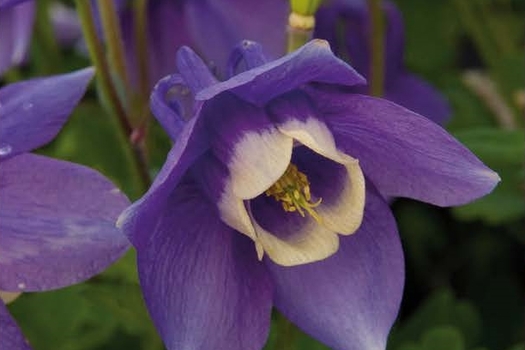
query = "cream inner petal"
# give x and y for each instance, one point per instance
(310, 243)
(8, 297)
(234, 213)
(344, 215)
(313, 134)
(259, 159)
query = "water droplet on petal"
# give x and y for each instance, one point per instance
(5, 150)
(21, 285)
(27, 106)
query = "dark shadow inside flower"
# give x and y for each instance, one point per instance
(326, 177)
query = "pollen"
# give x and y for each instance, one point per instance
(293, 191)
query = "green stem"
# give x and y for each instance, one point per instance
(141, 52)
(115, 47)
(297, 38)
(45, 42)
(377, 47)
(109, 94)
(300, 30)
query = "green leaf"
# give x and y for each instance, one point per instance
(441, 338)
(519, 346)
(61, 319)
(440, 310)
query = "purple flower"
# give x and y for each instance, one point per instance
(213, 27)
(57, 219)
(66, 24)
(16, 26)
(272, 195)
(400, 86)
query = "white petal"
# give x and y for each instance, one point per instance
(312, 242)
(345, 214)
(234, 214)
(312, 133)
(8, 297)
(259, 159)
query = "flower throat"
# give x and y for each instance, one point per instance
(293, 191)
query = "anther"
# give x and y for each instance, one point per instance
(293, 191)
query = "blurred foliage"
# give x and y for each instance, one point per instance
(504, 152)
(464, 283)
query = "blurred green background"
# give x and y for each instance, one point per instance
(465, 266)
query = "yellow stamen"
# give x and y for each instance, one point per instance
(293, 191)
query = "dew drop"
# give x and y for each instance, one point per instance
(21, 285)
(5, 150)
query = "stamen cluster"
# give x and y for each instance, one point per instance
(293, 191)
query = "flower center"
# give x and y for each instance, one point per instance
(293, 191)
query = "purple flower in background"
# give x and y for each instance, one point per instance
(400, 86)
(212, 27)
(57, 219)
(66, 25)
(16, 26)
(273, 195)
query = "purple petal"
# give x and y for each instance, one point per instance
(351, 299)
(10, 334)
(32, 112)
(403, 153)
(16, 26)
(418, 96)
(139, 220)
(194, 70)
(217, 26)
(246, 55)
(202, 282)
(57, 223)
(6, 3)
(173, 104)
(313, 62)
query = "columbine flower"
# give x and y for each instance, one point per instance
(16, 25)
(400, 86)
(57, 219)
(273, 195)
(213, 27)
